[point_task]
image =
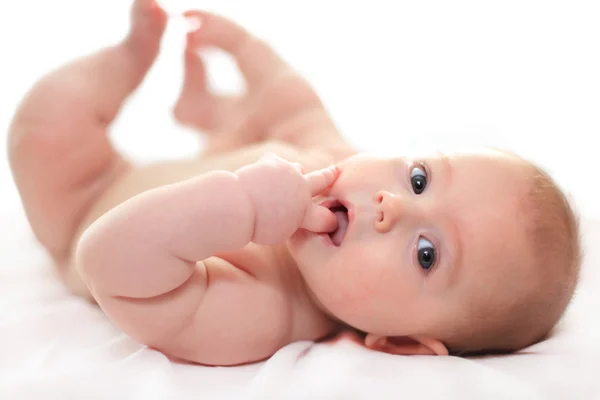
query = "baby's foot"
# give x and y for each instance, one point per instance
(278, 104)
(196, 106)
(228, 120)
(148, 23)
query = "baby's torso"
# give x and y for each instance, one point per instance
(293, 314)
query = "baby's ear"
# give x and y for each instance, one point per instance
(406, 345)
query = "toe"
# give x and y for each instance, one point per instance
(195, 71)
(145, 8)
(148, 17)
(148, 24)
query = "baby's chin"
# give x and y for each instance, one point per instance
(296, 244)
(301, 248)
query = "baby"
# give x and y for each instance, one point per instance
(225, 258)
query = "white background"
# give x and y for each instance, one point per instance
(517, 74)
(523, 75)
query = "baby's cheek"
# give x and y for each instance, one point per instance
(355, 280)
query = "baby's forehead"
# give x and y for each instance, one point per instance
(490, 207)
(496, 253)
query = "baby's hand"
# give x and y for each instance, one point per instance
(282, 197)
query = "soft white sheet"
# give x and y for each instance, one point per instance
(55, 346)
(516, 74)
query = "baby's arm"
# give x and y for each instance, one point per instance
(139, 261)
(149, 245)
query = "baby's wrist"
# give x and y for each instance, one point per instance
(249, 178)
(271, 191)
(227, 208)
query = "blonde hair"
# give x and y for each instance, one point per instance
(501, 324)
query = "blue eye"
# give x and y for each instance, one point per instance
(418, 179)
(426, 254)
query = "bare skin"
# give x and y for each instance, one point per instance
(69, 175)
(225, 258)
(44, 133)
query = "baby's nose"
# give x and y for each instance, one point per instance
(388, 209)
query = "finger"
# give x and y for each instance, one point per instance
(319, 219)
(195, 71)
(322, 179)
(256, 60)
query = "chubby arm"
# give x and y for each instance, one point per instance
(149, 245)
(148, 261)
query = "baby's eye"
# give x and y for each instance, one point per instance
(425, 254)
(418, 179)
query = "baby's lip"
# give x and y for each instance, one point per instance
(333, 202)
(330, 202)
(350, 207)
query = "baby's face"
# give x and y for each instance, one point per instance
(416, 239)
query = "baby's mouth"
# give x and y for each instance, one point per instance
(341, 213)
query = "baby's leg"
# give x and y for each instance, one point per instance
(60, 155)
(279, 103)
